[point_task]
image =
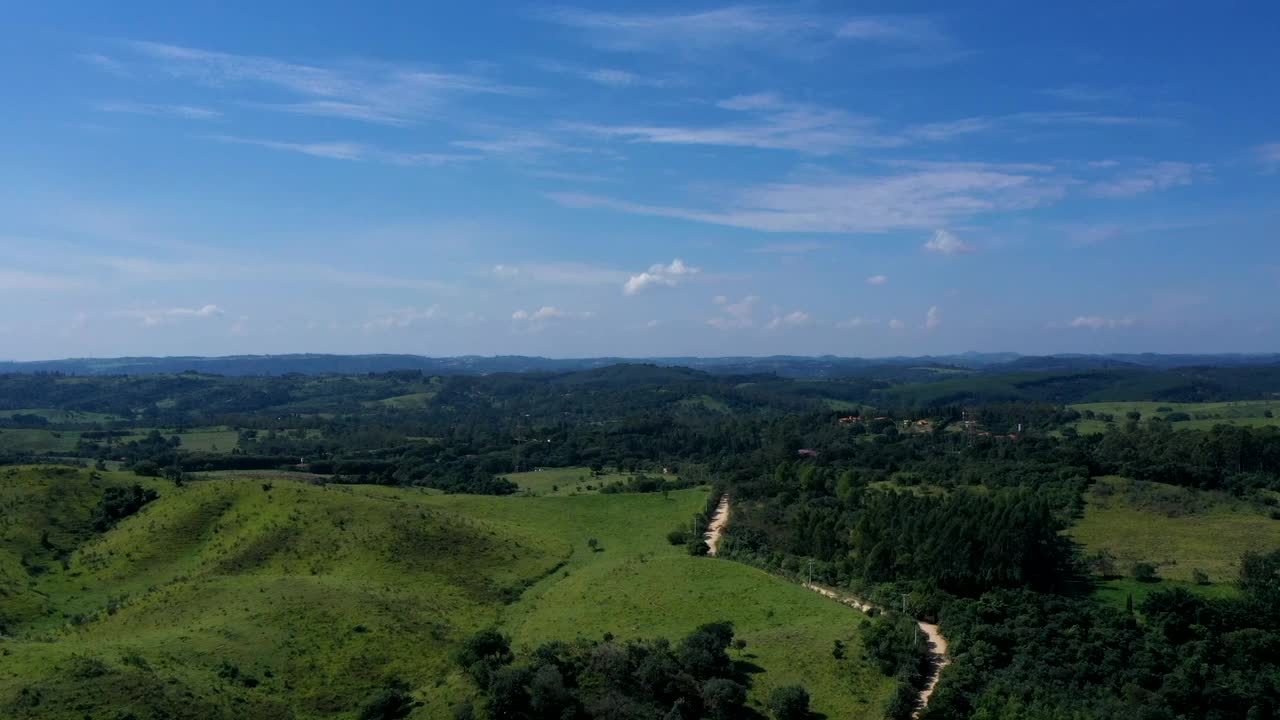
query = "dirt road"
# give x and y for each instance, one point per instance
(716, 528)
(937, 643)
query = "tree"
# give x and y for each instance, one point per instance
(389, 704)
(837, 649)
(723, 698)
(594, 544)
(1145, 572)
(789, 703)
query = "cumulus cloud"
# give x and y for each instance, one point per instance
(534, 320)
(853, 323)
(945, 242)
(1096, 322)
(877, 279)
(897, 324)
(659, 275)
(736, 315)
(933, 318)
(796, 318)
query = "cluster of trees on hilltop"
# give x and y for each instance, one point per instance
(694, 678)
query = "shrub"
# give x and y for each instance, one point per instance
(388, 704)
(1145, 572)
(1200, 577)
(789, 703)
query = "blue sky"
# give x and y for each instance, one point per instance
(638, 179)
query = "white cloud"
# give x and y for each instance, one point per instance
(843, 204)
(877, 279)
(938, 131)
(796, 318)
(571, 274)
(384, 93)
(330, 150)
(947, 243)
(897, 324)
(403, 317)
(187, 112)
(1149, 178)
(659, 275)
(156, 316)
(933, 318)
(853, 323)
(736, 315)
(1096, 322)
(780, 29)
(535, 320)
(771, 123)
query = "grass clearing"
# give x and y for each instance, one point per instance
(1177, 529)
(39, 442)
(1200, 416)
(567, 481)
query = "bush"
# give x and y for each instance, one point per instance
(789, 703)
(677, 537)
(723, 698)
(1145, 572)
(389, 704)
(1200, 577)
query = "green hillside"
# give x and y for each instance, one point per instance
(253, 598)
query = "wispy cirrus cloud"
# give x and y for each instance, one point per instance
(779, 29)
(1098, 322)
(563, 274)
(156, 316)
(403, 317)
(789, 248)
(346, 150)
(771, 123)
(185, 112)
(878, 280)
(855, 203)
(1146, 178)
(379, 92)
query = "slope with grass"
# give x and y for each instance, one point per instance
(567, 481)
(1183, 416)
(256, 598)
(1178, 530)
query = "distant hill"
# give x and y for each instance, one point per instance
(900, 368)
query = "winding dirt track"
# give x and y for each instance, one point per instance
(937, 643)
(716, 527)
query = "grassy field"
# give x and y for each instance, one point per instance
(566, 481)
(38, 441)
(61, 416)
(223, 599)
(1176, 529)
(1203, 416)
